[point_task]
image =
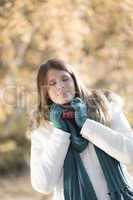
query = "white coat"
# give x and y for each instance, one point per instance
(49, 147)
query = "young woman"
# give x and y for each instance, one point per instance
(83, 141)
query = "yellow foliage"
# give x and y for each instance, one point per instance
(8, 146)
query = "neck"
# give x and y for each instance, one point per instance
(65, 105)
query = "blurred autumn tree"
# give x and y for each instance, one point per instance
(95, 36)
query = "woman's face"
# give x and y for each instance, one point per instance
(60, 86)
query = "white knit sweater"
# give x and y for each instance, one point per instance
(49, 147)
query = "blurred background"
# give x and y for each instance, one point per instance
(95, 36)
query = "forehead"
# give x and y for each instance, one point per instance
(55, 74)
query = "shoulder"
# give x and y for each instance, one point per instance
(41, 133)
(116, 102)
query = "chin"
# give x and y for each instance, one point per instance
(67, 101)
(64, 100)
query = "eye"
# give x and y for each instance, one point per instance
(65, 78)
(52, 83)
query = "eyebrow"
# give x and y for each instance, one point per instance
(51, 80)
(63, 75)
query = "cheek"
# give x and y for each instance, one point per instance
(50, 93)
(72, 87)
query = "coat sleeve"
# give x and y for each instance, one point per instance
(47, 158)
(116, 141)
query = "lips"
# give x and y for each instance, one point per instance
(63, 94)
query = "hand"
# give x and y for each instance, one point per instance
(55, 117)
(80, 111)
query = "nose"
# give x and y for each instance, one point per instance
(60, 86)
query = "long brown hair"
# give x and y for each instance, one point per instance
(97, 100)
